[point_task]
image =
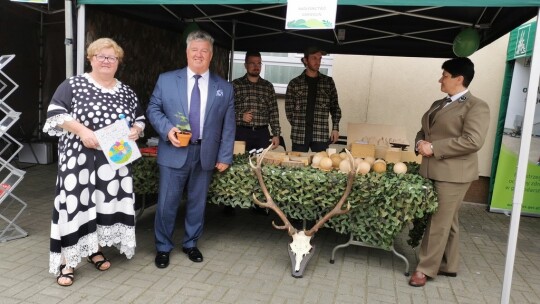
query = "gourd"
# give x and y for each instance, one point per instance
(363, 167)
(316, 161)
(325, 163)
(345, 166)
(336, 160)
(370, 160)
(322, 153)
(400, 168)
(379, 166)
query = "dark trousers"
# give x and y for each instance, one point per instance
(172, 183)
(255, 138)
(315, 146)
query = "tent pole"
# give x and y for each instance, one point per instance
(40, 91)
(523, 159)
(69, 38)
(81, 29)
(231, 60)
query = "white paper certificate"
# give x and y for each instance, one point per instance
(115, 144)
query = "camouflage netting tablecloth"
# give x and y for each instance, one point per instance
(381, 204)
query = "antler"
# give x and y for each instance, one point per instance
(269, 201)
(337, 209)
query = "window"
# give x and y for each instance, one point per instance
(279, 68)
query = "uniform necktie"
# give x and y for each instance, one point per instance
(432, 114)
(195, 110)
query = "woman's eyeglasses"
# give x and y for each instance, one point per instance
(111, 59)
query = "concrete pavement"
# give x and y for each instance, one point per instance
(246, 261)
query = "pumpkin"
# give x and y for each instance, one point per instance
(325, 163)
(370, 160)
(336, 160)
(400, 168)
(379, 166)
(343, 155)
(363, 167)
(345, 166)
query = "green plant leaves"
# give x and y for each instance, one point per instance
(145, 175)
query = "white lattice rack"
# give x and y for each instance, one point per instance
(11, 207)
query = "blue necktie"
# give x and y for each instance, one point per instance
(195, 110)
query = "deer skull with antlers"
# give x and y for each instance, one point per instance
(300, 249)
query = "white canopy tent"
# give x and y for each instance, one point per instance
(463, 4)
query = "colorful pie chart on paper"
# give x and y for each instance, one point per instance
(120, 152)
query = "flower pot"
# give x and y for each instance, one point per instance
(184, 138)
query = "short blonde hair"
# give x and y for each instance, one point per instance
(104, 43)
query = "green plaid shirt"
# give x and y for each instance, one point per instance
(325, 102)
(259, 97)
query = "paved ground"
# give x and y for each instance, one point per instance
(246, 262)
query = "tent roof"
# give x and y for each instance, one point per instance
(490, 3)
(416, 28)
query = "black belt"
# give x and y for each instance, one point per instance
(197, 142)
(253, 127)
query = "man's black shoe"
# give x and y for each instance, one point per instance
(193, 254)
(162, 259)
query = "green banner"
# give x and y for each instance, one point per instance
(504, 184)
(508, 137)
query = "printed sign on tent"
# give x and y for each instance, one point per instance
(311, 14)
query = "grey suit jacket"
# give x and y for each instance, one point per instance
(458, 132)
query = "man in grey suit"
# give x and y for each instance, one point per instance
(200, 95)
(453, 130)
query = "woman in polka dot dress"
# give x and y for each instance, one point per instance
(94, 204)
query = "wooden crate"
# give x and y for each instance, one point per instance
(306, 160)
(362, 150)
(393, 155)
(239, 147)
(410, 156)
(293, 163)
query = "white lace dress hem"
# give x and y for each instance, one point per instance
(119, 236)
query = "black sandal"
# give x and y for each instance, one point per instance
(70, 276)
(100, 263)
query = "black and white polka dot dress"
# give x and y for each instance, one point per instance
(94, 204)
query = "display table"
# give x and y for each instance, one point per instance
(381, 204)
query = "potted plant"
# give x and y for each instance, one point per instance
(185, 129)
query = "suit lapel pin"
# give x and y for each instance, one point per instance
(462, 99)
